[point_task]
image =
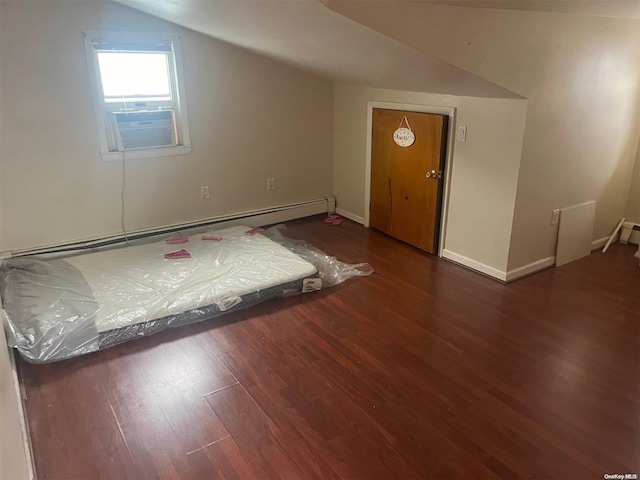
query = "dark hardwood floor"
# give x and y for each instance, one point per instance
(422, 370)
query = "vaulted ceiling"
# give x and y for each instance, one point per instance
(310, 36)
(317, 36)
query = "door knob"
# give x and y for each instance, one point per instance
(432, 174)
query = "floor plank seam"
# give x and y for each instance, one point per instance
(158, 403)
(223, 388)
(208, 445)
(115, 418)
(219, 358)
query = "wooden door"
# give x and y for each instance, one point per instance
(405, 195)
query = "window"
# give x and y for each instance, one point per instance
(138, 94)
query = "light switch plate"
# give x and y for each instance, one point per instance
(462, 134)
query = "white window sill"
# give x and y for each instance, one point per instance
(147, 153)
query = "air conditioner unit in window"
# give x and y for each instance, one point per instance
(136, 130)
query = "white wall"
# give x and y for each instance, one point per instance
(484, 168)
(581, 75)
(250, 118)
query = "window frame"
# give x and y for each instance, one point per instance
(108, 145)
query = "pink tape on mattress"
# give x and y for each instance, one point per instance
(214, 238)
(178, 254)
(175, 240)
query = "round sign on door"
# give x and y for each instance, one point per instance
(404, 136)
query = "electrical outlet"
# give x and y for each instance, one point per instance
(271, 183)
(555, 216)
(204, 193)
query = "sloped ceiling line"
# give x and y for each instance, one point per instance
(588, 8)
(310, 36)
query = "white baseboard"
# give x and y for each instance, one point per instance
(532, 268)
(350, 216)
(474, 265)
(252, 218)
(284, 215)
(506, 277)
(598, 244)
(601, 242)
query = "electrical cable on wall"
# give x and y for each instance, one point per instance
(124, 176)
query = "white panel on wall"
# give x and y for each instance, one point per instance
(575, 232)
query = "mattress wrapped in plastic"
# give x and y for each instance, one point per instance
(61, 308)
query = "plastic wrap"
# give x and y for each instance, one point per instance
(62, 308)
(331, 270)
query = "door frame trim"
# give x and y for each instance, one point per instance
(411, 107)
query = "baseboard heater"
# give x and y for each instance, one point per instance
(258, 217)
(627, 230)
